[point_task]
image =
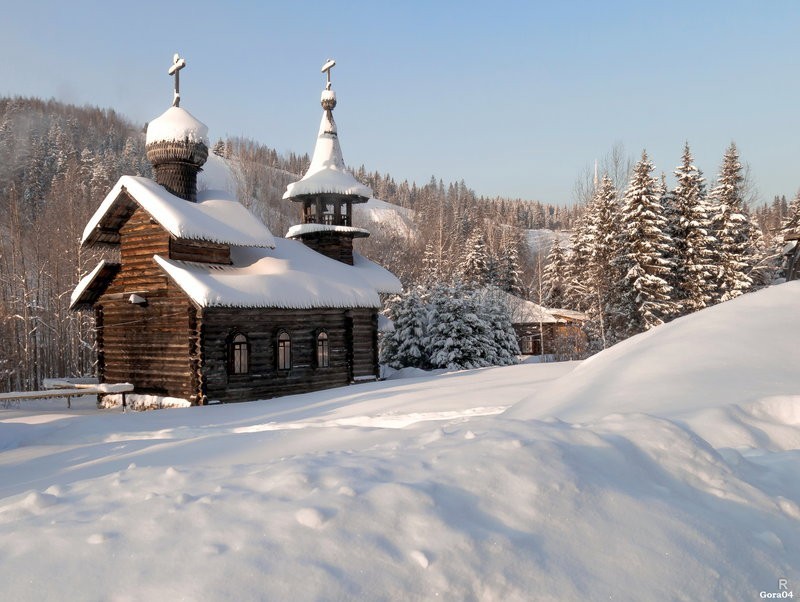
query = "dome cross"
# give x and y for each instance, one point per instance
(177, 64)
(326, 69)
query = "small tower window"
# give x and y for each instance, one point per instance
(239, 355)
(328, 214)
(323, 351)
(284, 351)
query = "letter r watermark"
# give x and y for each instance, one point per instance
(783, 584)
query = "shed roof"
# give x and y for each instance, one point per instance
(214, 218)
(569, 315)
(290, 276)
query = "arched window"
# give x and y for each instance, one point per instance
(239, 355)
(323, 351)
(284, 351)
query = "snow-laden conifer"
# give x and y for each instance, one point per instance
(555, 276)
(405, 345)
(646, 297)
(475, 267)
(509, 273)
(692, 242)
(603, 278)
(787, 241)
(504, 344)
(731, 229)
(457, 335)
(450, 326)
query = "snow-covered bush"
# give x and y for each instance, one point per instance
(449, 326)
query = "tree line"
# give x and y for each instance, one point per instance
(57, 163)
(645, 255)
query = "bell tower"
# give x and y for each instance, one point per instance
(327, 192)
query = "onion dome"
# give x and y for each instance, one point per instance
(177, 145)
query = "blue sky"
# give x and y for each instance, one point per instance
(516, 98)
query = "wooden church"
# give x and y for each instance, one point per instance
(204, 304)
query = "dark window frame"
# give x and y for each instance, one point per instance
(238, 354)
(283, 351)
(322, 349)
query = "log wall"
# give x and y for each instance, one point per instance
(147, 345)
(261, 327)
(336, 245)
(206, 252)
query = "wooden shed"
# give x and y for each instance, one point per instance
(544, 331)
(206, 305)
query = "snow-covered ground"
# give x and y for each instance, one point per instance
(540, 241)
(666, 468)
(393, 217)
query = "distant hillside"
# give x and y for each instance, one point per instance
(58, 161)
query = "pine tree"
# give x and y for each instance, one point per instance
(504, 347)
(788, 240)
(405, 345)
(474, 269)
(731, 229)
(555, 276)
(509, 273)
(646, 295)
(219, 148)
(577, 263)
(458, 338)
(602, 275)
(431, 270)
(692, 242)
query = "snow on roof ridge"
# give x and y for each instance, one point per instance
(86, 282)
(299, 229)
(176, 124)
(214, 218)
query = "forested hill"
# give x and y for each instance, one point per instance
(58, 161)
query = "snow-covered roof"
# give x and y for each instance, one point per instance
(93, 284)
(300, 229)
(568, 314)
(523, 311)
(327, 173)
(290, 276)
(214, 218)
(176, 125)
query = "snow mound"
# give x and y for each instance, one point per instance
(665, 468)
(739, 352)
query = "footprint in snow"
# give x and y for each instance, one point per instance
(100, 538)
(420, 558)
(310, 517)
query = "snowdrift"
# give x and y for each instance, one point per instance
(666, 468)
(742, 352)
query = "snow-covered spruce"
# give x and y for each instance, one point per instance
(644, 253)
(450, 326)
